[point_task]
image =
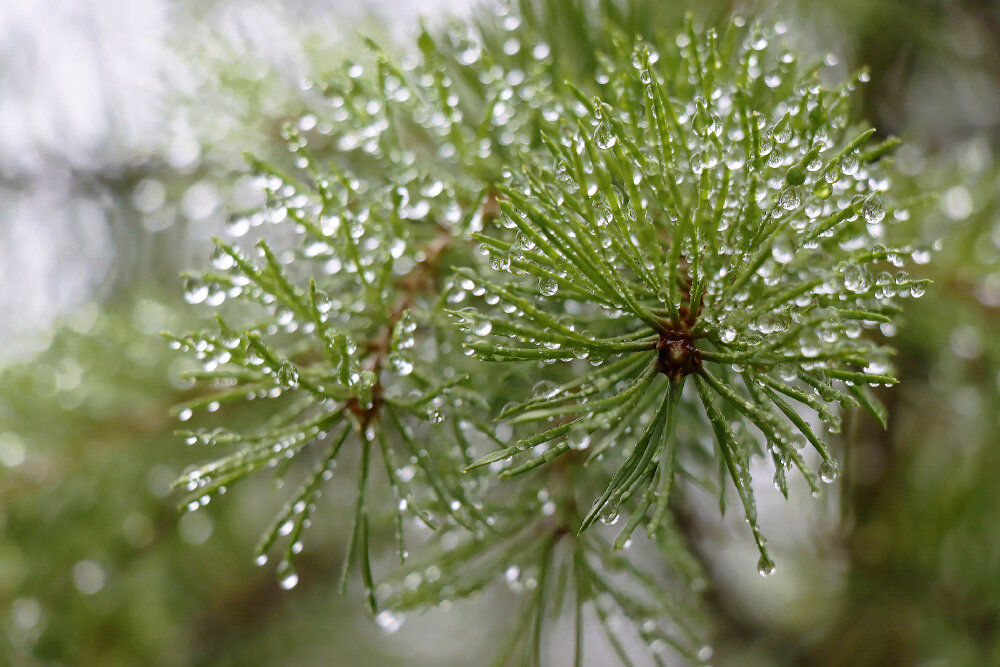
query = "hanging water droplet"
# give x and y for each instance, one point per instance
(878, 365)
(822, 189)
(735, 160)
(512, 576)
(604, 137)
(221, 259)
(578, 438)
(401, 364)
(609, 515)
(849, 164)
(500, 262)
(237, 226)
(782, 131)
(287, 577)
(548, 286)
(389, 621)
(828, 471)
(765, 566)
(544, 389)
(406, 473)
(195, 291)
(782, 251)
(789, 199)
(288, 375)
(766, 146)
(727, 335)
(703, 122)
(770, 322)
(856, 279)
(873, 210)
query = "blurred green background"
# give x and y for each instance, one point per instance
(121, 128)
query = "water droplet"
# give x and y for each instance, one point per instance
(735, 160)
(500, 262)
(89, 577)
(727, 335)
(512, 576)
(548, 286)
(221, 259)
(789, 199)
(703, 123)
(195, 291)
(770, 322)
(766, 146)
(413, 580)
(544, 389)
(873, 210)
(237, 226)
(822, 189)
(782, 251)
(401, 364)
(828, 471)
(604, 137)
(389, 621)
(782, 132)
(765, 566)
(609, 515)
(579, 438)
(287, 577)
(856, 279)
(288, 375)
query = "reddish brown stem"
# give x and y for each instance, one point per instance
(411, 285)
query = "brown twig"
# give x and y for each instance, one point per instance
(411, 284)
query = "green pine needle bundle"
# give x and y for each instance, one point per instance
(517, 302)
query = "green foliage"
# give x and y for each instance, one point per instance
(657, 241)
(702, 210)
(91, 549)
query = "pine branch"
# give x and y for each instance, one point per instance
(604, 234)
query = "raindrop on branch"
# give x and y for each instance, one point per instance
(765, 566)
(389, 621)
(604, 138)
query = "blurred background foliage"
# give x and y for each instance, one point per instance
(106, 200)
